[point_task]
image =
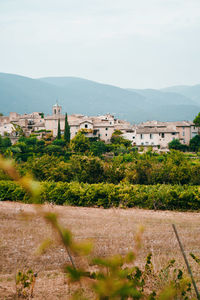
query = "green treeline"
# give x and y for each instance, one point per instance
(91, 162)
(169, 197)
(132, 168)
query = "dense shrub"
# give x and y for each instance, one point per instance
(170, 197)
(87, 169)
(11, 191)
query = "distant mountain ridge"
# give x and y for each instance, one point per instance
(193, 92)
(76, 95)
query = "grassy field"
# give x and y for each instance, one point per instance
(112, 231)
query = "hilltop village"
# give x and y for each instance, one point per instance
(151, 133)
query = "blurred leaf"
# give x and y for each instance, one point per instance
(44, 246)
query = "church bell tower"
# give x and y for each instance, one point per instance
(57, 109)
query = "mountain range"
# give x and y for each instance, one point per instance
(77, 95)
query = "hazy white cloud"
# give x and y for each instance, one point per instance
(136, 43)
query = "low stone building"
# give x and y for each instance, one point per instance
(160, 134)
(7, 129)
(158, 137)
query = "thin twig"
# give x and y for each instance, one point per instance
(70, 257)
(186, 261)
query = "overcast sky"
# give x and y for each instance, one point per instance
(128, 43)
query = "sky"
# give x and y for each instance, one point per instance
(127, 43)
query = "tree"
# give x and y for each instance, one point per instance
(195, 143)
(80, 143)
(59, 132)
(176, 145)
(54, 149)
(98, 148)
(86, 169)
(7, 142)
(67, 130)
(59, 143)
(197, 120)
(117, 138)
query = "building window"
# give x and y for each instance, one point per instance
(183, 127)
(183, 133)
(173, 133)
(151, 136)
(141, 136)
(110, 123)
(55, 111)
(152, 143)
(184, 141)
(147, 143)
(133, 137)
(142, 143)
(86, 125)
(106, 134)
(162, 135)
(106, 128)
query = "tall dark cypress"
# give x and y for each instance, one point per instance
(67, 130)
(59, 132)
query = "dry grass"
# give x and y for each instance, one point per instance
(112, 231)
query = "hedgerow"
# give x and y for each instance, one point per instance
(160, 196)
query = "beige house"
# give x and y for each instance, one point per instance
(186, 130)
(7, 129)
(158, 137)
(4, 120)
(162, 133)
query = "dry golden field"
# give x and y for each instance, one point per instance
(112, 231)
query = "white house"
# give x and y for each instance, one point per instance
(155, 137)
(7, 129)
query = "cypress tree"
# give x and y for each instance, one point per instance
(67, 130)
(59, 132)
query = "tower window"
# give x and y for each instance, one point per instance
(86, 125)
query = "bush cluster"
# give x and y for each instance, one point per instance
(166, 197)
(148, 169)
